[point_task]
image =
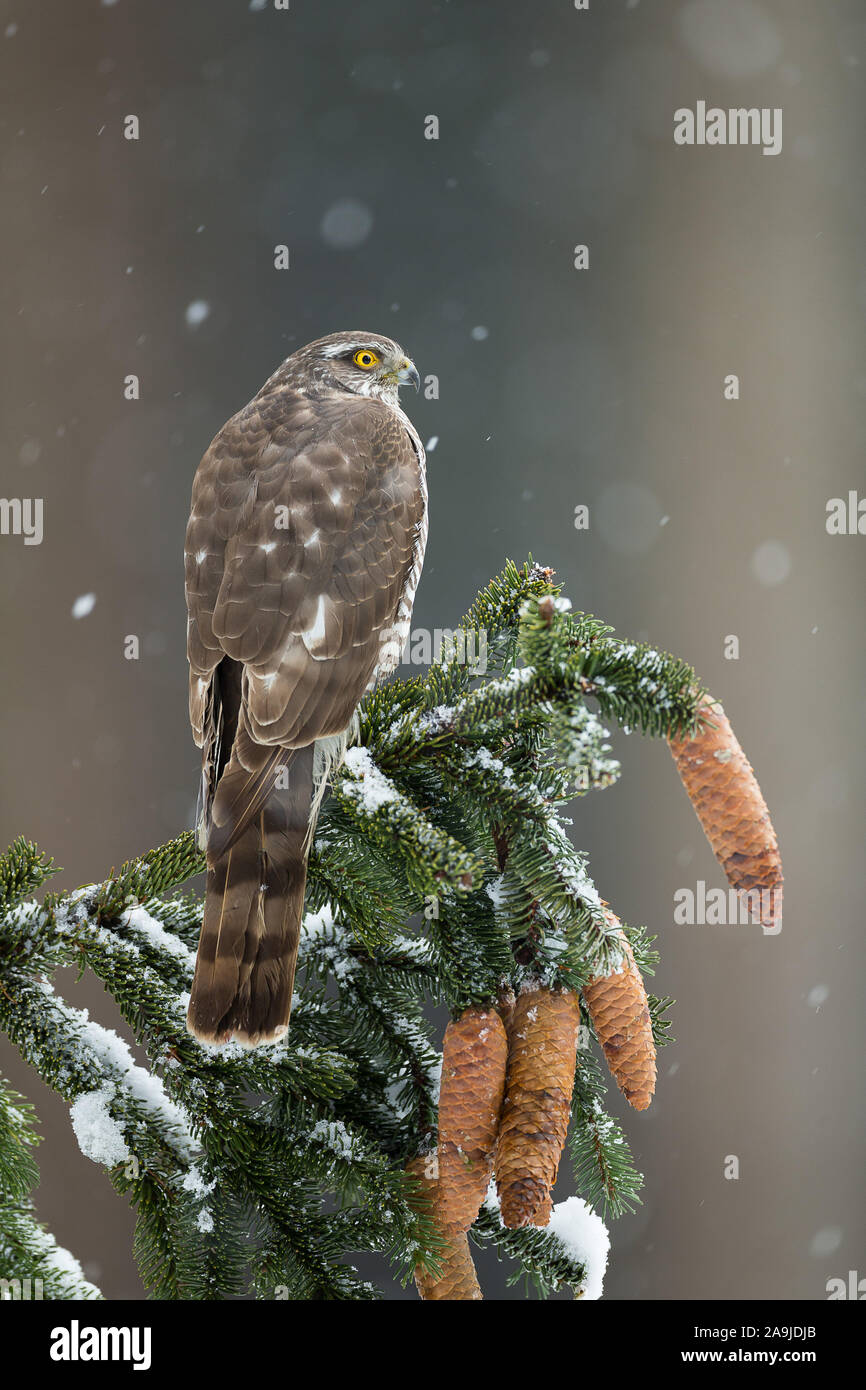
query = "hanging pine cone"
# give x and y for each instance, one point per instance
(474, 1057)
(542, 1038)
(725, 794)
(457, 1280)
(617, 1005)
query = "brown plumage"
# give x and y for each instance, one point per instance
(303, 552)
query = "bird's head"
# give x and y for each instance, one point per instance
(364, 363)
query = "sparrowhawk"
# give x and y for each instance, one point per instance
(303, 552)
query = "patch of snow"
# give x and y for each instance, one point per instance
(60, 1263)
(335, 1136)
(99, 1135)
(194, 1182)
(584, 1237)
(141, 921)
(368, 787)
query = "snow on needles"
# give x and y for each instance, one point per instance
(59, 1263)
(100, 1135)
(584, 1237)
(367, 786)
(141, 922)
(335, 1136)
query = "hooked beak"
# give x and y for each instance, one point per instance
(408, 374)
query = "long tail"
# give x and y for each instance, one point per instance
(257, 846)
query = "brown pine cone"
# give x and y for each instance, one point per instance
(617, 1005)
(542, 1038)
(456, 1280)
(725, 794)
(474, 1056)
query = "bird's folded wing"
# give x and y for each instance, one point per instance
(302, 534)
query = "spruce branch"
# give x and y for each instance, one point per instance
(443, 872)
(23, 869)
(541, 1258)
(32, 1264)
(604, 1170)
(431, 858)
(18, 1169)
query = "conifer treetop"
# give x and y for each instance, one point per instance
(442, 873)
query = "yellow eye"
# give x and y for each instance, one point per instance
(365, 358)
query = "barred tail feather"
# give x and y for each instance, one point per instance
(258, 843)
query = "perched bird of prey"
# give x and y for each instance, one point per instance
(303, 552)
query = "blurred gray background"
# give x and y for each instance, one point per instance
(557, 387)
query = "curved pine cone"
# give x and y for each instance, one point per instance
(725, 794)
(542, 1035)
(474, 1055)
(617, 1005)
